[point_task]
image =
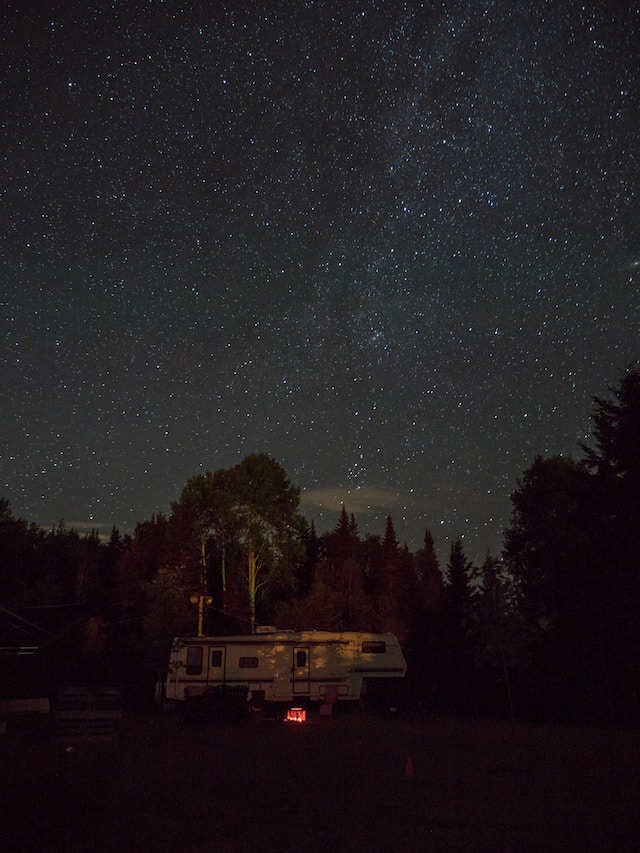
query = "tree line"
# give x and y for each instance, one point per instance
(547, 630)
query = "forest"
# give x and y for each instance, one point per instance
(548, 630)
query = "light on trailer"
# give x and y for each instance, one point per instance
(296, 715)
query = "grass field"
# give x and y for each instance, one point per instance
(333, 783)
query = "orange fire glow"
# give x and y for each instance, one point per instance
(296, 715)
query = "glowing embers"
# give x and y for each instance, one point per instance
(296, 715)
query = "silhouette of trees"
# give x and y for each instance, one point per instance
(550, 630)
(430, 577)
(549, 553)
(501, 640)
(337, 600)
(456, 667)
(544, 547)
(573, 549)
(611, 514)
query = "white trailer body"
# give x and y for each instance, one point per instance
(284, 666)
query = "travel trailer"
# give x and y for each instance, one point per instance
(284, 666)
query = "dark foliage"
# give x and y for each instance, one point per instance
(573, 548)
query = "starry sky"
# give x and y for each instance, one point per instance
(395, 245)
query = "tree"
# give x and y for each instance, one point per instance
(252, 507)
(427, 645)
(23, 579)
(614, 462)
(430, 576)
(573, 548)
(612, 511)
(264, 508)
(457, 669)
(459, 572)
(616, 425)
(305, 570)
(549, 552)
(336, 600)
(501, 641)
(204, 522)
(396, 589)
(545, 547)
(379, 557)
(343, 542)
(168, 614)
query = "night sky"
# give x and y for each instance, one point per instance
(395, 245)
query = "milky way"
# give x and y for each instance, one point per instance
(393, 244)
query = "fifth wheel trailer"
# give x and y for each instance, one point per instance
(284, 666)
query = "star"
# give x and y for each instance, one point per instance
(387, 247)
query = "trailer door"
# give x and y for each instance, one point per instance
(301, 670)
(217, 664)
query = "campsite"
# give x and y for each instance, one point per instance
(348, 781)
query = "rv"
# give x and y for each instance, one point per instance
(284, 666)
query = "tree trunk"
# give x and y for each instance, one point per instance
(253, 574)
(507, 681)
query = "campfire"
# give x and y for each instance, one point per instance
(296, 715)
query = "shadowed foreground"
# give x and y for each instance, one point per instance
(351, 782)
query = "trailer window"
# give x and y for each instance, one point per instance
(301, 659)
(377, 647)
(248, 663)
(194, 660)
(216, 657)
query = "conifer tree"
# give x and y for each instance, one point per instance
(456, 630)
(337, 600)
(391, 557)
(342, 544)
(573, 548)
(612, 517)
(305, 571)
(430, 576)
(614, 460)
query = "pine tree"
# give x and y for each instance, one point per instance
(456, 630)
(459, 572)
(336, 601)
(430, 577)
(390, 556)
(612, 517)
(343, 524)
(305, 571)
(614, 460)
(573, 548)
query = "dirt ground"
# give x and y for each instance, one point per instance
(351, 782)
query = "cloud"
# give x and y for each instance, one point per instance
(331, 499)
(366, 500)
(84, 527)
(449, 510)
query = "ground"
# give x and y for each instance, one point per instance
(351, 782)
